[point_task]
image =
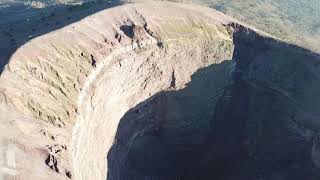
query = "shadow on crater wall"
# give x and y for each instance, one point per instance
(216, 130)
(160, 137)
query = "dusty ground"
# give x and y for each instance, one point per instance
(26, 143)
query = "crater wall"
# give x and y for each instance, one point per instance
(163, 90)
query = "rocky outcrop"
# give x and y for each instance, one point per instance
(55, 77)
(56, 65)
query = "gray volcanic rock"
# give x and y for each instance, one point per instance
(163, 91)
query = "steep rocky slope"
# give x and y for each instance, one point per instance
(160, 90)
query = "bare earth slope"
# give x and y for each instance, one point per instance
(159, 90)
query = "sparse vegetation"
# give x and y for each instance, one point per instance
(292, 20)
